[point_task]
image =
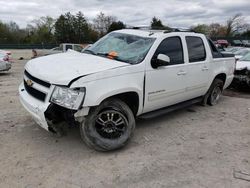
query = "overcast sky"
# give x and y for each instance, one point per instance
(179, 13)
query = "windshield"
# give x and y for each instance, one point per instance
(122, 47)
(246, 57)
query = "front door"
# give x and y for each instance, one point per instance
(166, 85)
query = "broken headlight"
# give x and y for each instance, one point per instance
(67, 97)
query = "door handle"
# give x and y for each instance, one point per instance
(181, 73)
(205, 69)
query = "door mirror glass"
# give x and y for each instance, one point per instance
(163, 60)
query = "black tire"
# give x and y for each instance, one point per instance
(215, 92)
(109, 134)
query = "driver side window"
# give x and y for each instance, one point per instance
(172, 47)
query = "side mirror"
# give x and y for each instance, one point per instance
(162, 60)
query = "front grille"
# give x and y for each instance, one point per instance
(35, 93)
(41, 82)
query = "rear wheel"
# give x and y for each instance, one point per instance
(215, 92)
(108, 126)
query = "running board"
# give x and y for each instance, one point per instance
(169, 109)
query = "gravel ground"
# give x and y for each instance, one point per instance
(194, 147)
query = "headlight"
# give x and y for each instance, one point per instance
(67, 97)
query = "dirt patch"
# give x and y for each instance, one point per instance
(236, 93)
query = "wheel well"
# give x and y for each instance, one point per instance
(222, 77)
(131, 99)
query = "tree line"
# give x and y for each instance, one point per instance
(66, 28)
(233, 27)
(78, 29)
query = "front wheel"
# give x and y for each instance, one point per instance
(108, 126)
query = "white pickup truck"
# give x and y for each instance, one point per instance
(64, 47)
(126, 74)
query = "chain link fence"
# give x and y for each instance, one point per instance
(28, 46)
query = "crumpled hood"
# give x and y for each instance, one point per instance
(62, 68)
(240, 65)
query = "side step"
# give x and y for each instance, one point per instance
(168, 109)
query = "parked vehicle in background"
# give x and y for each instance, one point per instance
(5, 65)
(5, 52)
(233, 49)
(241, 53)
(223, 43)
(242, 72)
(237, 43)
(8, 53)
(62, 48)
(246, 43)
(126, 74)
(86, 47)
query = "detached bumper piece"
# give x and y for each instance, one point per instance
(59, 119)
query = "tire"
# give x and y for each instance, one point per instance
(108, 126)
(215, 92)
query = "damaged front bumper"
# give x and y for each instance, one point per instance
(50, 116)
(34, 107)
(242, 77)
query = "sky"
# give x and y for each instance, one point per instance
(174, 13)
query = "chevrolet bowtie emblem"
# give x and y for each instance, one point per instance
(29, 82)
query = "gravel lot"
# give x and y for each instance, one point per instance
(194, 147)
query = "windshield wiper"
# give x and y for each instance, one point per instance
(102, 54)
(113, 57)
(89, 52)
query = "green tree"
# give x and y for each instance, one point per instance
(60, 29)
(201, 28)
(81, 28)
(156, 23)
(217, 30)
(72, 28)
(40, 31)
(102, 23)
(116, 26)
(246, 34)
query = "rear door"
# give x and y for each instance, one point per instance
(199, 68)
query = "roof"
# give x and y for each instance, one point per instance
(151, 33)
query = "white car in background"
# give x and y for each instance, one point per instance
(5, 52)
(5, 65)
(244, 62)
(241, 53)
(64, 47)
(242, 72)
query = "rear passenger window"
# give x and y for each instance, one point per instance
(172, 47)
(196, 49)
